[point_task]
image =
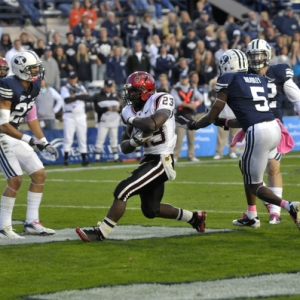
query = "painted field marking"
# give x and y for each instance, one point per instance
(236, 288)
(134, 232)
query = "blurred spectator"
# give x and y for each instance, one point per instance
(210, 42)
(198, 11)
(101, 49)
(283, 56)
(202, 23)
(147, 29)
(295, 61)
(74, 117)
(52, 74)
(195, 64)
(181, 67)
(88, 10)
(221, 51)
(65, 6)
(154, 47)
(209, 67)
(279, 44)
(265, 21)
(55, 41)
(245, 42)
(270, 36)
(83, 66)
(194, 82)
(107, 107)
(159, 4)
(5, 44)
(185, 22)
(235, 42)
(221, 36)
(164, 63)
(17, 47)
(173, 47)
(48, 103)
(252, 26)
(138, 61)
(287, 24)
(30, 11)
(129, 31)
(201, 47)
(62, 63)
(188, 44)
(40, 47)
(163, 84)
(75, 14)
(112, 30)
(186, 99)
(171, 25)
(274, 57)
(230, 27)
(116, 68)
(88, 39)
(27, 40)
(78, 30)
(70, 49)
(143, 6)
(110, 5)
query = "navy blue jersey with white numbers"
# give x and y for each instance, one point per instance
(22, 100)
(247, 96)
(277, 75)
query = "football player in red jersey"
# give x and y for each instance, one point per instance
(3, 67)
(150, 122)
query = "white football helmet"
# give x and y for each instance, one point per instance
(232, 61)
(23, 62)
(259, 54)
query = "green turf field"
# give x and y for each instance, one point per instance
(78, 196)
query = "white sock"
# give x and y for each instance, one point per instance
(97, 156)
(116, 156)
(251, 214)
(7, 206)
(184, 215)
(33, 204)
(107, 226)
(274, 208)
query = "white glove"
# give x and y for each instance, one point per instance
(138, 138)
(52, 150)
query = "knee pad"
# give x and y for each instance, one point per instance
(149, 212)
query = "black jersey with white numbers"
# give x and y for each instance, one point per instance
(277, 75)
(247, 96)
(22, 100)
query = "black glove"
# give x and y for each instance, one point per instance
(221, 123)
(36, 144)
(52, 150)
(185, 123)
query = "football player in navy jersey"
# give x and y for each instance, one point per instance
(17, 101)
(280, 85)
(247, 96)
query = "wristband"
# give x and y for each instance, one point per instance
(133, 143)
(130, 120)
(26, 138)
(226, 122)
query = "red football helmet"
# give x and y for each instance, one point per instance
(3, 67)
(138, 88)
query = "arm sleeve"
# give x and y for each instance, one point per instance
(31, 116)
(58, 98)
(293, 93)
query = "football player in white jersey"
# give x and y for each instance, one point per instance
(150, 122)
(280, 86)
(17, 101)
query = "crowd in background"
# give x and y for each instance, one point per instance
(102, 44)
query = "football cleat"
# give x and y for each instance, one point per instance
(198, 221)
(245, 221)
(274, 218)
(8, 233)
(91, 235)
(36, 228)
(85, 163)
(295, 213)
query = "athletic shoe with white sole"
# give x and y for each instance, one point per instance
(232, 155)
(8, 233)
(91, 235)
(245, 221)
(274, 218)
(198, 221)
(295, 213)
(36, 228)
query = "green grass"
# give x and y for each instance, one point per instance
(82, 197)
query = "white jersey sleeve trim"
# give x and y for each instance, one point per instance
(293, 93)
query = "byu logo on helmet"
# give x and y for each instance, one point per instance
(20, 60)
